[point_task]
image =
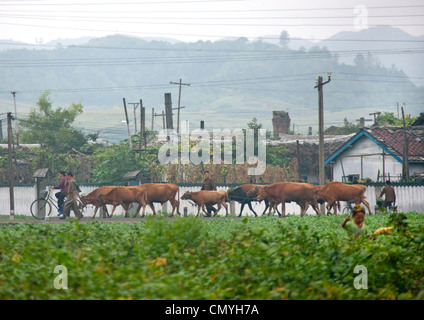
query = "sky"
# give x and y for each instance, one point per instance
(41, 21)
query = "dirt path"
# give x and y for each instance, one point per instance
(107, 220)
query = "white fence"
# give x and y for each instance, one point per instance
(409, 198)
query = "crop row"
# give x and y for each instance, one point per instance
(266, 258)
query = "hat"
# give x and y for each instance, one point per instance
(358, 208)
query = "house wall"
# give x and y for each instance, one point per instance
(349, 162)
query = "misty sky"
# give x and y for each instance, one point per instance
(40, 21)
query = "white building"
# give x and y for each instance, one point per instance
(377, 153)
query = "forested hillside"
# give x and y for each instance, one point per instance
(231, 81)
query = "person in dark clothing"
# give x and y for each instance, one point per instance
(209, 184)
(390, 195)
(71, 202)
(63, 186)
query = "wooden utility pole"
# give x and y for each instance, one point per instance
(320, 85)
(142, 125)
(16, 117)
(362, 122)
(168, 111)
(179, 102)
(375, 114)
(405, 164)
(11, 169)
(128, 123)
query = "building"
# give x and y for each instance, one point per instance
(280, 122)
(377, 154)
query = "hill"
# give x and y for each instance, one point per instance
(231, 81)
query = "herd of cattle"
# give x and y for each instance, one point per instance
(304, 194)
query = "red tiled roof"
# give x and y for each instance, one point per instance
(393, 138)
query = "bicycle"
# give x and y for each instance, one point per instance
(348, 207)
(41, 208)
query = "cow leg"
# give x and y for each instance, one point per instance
(250, 207)
(198, 209)
(216, 212)
(271, 207)
(175, 205)
(242, 206)
(125, 206)
(283, 209)
(226, 209)
(367, 205)
(138, 209)
(315, 206)
(303, 207)
(266, 206)
(95, 211)
(113, 210)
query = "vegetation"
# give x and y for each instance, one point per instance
(188, 258)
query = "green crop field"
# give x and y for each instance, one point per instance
(190, 258)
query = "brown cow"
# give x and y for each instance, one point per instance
(207, 198)
(245, 194)
(159, 193)
(281, 192)
(93, 198)
(338, 191)
(123, 196)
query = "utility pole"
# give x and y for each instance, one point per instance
(405, 164)
(128, 123)
(142, 126)
(179, 102)
(375, 114)
(168, 111)
(320, 85)
(16, 117)
(362, 122)
(11, 171)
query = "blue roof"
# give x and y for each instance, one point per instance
(355, 138)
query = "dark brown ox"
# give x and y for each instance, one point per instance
(338, 191)
(245, 194)
(207, 198)
(304, 194)
(159, 193)
(123, 196)
(93, 198)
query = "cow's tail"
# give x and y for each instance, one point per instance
(227, 199)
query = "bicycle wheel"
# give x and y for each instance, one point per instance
(346, 210)
(40, 208)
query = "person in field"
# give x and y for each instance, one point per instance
(61, 195)
(209, 184)
(355, 225)
(72, 199)
(390, 195)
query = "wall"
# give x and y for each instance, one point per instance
(409, 198)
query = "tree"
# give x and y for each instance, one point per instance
(52, 128)
(388, 118)
(284, 39)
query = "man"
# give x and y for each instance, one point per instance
(63, 186)
(390, 196)
(209, 184)
(71, 201)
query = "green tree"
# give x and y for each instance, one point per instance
(52, 128)
(284, 40)
(388, 118)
